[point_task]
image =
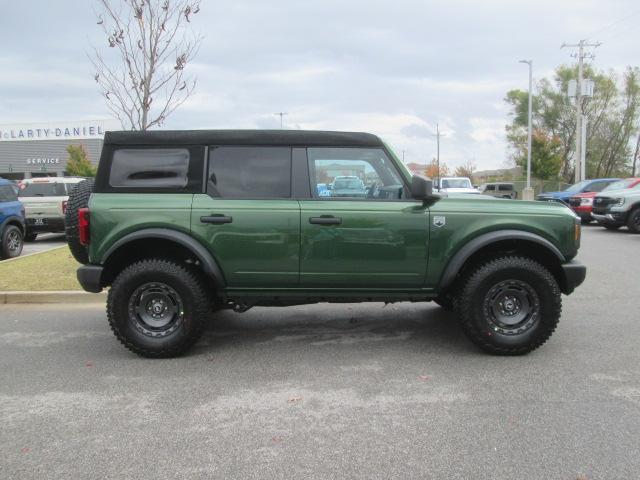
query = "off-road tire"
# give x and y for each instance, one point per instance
(78, 198)
(128, 326)
(11, 242)
(633, 222)
(476, 312)
(30, 237)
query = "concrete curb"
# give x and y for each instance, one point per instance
(67, 297)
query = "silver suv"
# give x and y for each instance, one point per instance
(616, 208)
(45, 201)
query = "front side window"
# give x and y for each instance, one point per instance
(353, 173)
(250, 172)
(150, 168)
(505, 188)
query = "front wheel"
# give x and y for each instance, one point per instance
(11, 242)
(633, 223)
(509, 306)
(158, 308)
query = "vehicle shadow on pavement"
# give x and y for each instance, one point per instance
(424, 326)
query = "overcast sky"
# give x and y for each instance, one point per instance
(394, 68)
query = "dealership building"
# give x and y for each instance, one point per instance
(40, 149)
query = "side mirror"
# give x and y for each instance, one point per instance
(421, 188)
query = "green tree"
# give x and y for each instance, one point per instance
(546, 154)
(78, 163)
(612, 118)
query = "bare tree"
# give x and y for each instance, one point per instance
(466, 170)
(142, 74)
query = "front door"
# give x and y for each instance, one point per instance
(360, 230)
(247, 219)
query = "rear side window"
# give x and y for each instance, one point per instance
(150, 168)
(505, 188)
(250, 172)
(53, 189)
(7, 194)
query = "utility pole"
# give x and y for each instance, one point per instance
(527, 194)
(581, 121)
(281, 114)
(636, 156)
(438, 135)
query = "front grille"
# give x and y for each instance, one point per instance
(574, 201)
(603, 201)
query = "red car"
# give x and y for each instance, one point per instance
(582, 203)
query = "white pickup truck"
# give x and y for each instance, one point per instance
(45, 202)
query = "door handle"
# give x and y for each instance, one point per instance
(216, 218)
(325, 220)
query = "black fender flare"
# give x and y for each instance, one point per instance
(14, 219)
(471, 247)
(209, 264)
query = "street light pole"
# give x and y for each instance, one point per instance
(527, 194)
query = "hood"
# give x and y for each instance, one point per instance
(460, 190)
(554, 194)
(585, 195)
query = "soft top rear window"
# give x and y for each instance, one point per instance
(53, 189)
(150, 168)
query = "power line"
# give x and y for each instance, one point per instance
(614, 23)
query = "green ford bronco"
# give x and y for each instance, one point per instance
(182, 224)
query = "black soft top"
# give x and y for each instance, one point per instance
(243, 137)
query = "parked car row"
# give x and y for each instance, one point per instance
(29, 207)
(612, 202)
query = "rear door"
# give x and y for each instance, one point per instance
(247, 217)
(375, 239)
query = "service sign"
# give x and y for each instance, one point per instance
(57, 131)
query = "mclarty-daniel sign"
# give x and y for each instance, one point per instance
(57, 131)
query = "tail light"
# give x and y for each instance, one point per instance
(64, 208)
(83, 226)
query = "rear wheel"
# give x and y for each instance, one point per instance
(11, 242)
(633, 222)
(158, 308)
(509, 306)
(78, 198)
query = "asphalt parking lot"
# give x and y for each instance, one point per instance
(332, 391)
(44, 242)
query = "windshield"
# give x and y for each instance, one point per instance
(42, 190)
(576, 187)
(456, 183)
(621, 184)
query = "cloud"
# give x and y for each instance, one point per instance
(359, 65)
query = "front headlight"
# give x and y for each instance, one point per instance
(619, 201)
(586, 201)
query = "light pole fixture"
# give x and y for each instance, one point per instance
(528, 192)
